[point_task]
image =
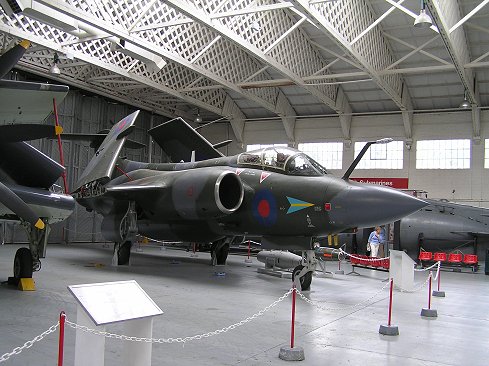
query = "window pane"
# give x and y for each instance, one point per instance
(328, 154)
(381, 156)
(444, 154)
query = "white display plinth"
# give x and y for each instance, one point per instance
(88, 341)
(107, 303)
(137, 353)
(401, 270)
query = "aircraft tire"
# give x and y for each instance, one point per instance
(222, 255)
(305, 280)
(23, 263)
(124, 253)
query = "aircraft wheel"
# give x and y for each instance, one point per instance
(23, 263)
(305, 280)
(124, 253)
(222, 254)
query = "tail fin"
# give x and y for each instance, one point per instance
(102, 164)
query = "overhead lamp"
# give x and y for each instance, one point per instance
(423, 20)
(255, 26)
(465, 103)
(55, 69)
(198, 119)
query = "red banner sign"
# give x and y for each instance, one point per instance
(399, 183)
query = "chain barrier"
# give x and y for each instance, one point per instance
(437, 264)
(29, 344)
(360, 258)
(416, 289)
(352, 307)
(180, 339)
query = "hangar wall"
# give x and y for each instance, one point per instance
(463, 186)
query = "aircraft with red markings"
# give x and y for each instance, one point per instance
(277, 193)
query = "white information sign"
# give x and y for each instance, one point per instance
(112, 302)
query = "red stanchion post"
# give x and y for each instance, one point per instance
(62, 318)
(389, 329)
(390, 302)
(292, 331)
(248, 249)
(339, 264)
(429, 313)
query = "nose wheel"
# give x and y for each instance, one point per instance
(304, 279)
(302, 274)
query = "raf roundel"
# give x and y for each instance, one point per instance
(265, 208)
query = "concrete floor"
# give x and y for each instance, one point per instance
(195, 300)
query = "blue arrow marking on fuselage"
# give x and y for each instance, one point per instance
(297, 205)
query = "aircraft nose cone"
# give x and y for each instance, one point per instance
(365, 205)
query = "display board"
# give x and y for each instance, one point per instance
(112, 302)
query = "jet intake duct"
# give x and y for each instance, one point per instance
(209, 194)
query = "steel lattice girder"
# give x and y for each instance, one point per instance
(369, 49)
(446, 14)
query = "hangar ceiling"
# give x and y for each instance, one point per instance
(262, 59)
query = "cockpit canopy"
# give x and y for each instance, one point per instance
(283, 159)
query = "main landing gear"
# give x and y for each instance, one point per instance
(127, 235)
(27, 260)
(219, 252)
(302, 274)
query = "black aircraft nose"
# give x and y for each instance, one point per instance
(365, 205)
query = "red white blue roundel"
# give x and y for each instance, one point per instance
(265, 208)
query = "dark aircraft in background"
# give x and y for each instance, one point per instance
(279, 194)
(26, 174)
(442, 226)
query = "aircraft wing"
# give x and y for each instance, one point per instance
(178, 139)
(27, 132)
(28, 166)
(140, 187)
(23, 102)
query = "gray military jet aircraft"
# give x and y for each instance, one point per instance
(443, 226)
(280, 194)
(26, 174)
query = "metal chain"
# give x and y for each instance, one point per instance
(427, 268)
(416, 289)
(28, 344)
(180, 339)
(313, 303)
(360, 258)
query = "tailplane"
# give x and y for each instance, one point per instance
(101, 167)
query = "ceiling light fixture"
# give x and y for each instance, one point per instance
(198, 119)
(465, 103)
(423, 20)
(55, 69)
